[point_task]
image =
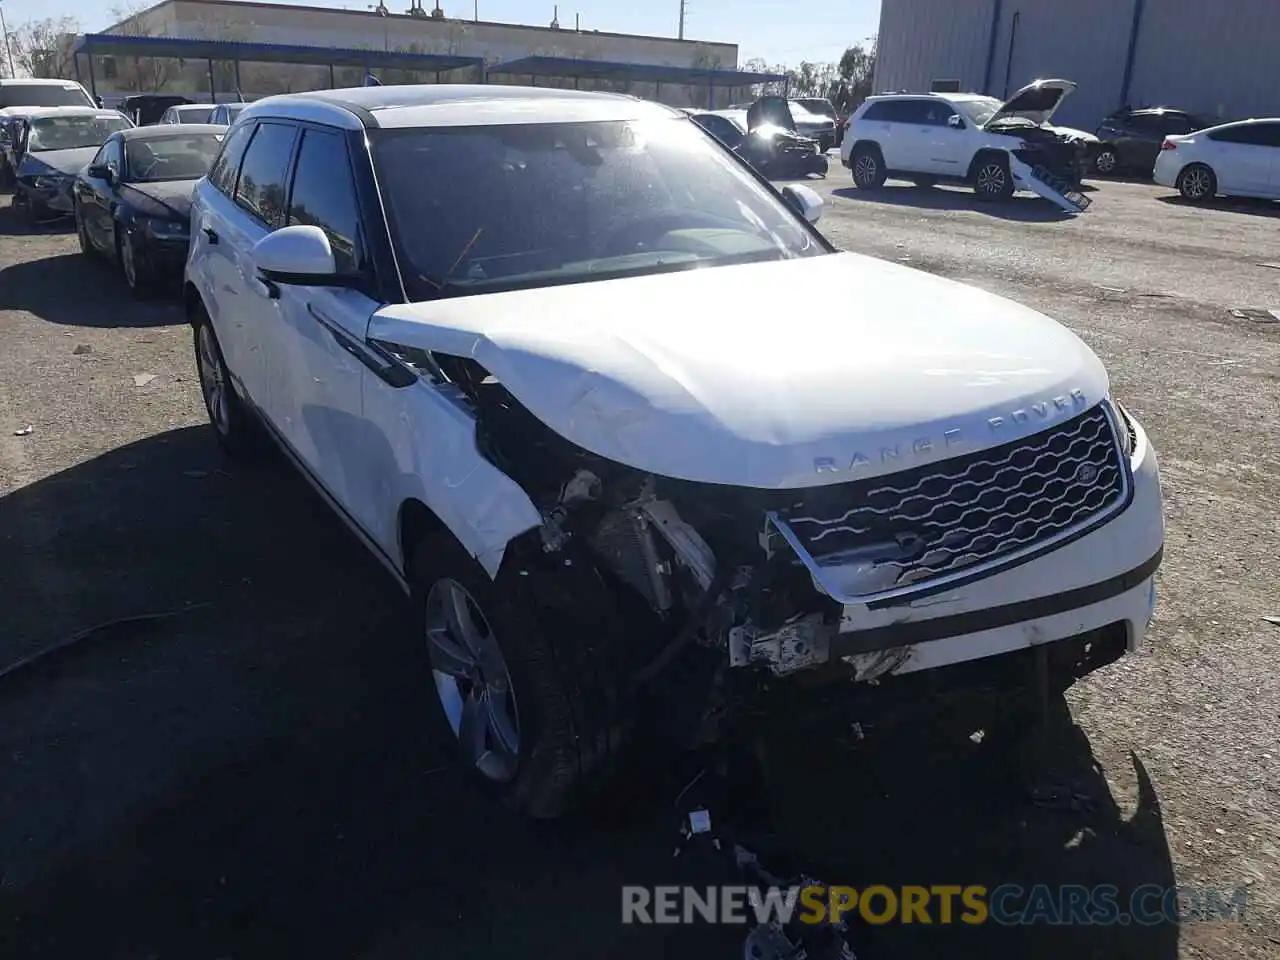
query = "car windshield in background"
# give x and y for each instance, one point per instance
(42, 95)
(979, 110)
(71, 133)
(484, 208)
(819, 106)
(194, 114)
(185, 157)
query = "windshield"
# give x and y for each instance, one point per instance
(70, 133)
(185, 157)
(979, 110)
(484, 208)
(42, 95)
(819, 106)
(193, 114)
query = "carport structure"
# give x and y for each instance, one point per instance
(230, 51)
(568, 68)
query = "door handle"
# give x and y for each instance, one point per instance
(211, 235)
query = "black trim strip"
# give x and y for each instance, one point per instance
(388, 370)
(939, 628)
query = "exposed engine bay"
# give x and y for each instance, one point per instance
(1061, 153)
(705, 577)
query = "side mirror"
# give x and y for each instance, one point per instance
(101, 104)
(955, 122)
(100, 171)
(804, 201)
(300, 254)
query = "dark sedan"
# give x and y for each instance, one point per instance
(133, 201)
(1130, 139)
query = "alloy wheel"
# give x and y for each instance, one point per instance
(1195, 184)
(1106, 161)
(991, 179)
(472, 681)
(213, 380)
(864, 169)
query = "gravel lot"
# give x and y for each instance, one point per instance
(261, 772)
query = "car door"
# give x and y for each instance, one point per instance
(910, 139)
(246, 205)
(97, 197)
(949, 144)
(1243, 158)
(317, 348)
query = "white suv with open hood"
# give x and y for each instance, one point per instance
(540, 349)
(995, 147)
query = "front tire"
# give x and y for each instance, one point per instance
(868, 168)
(82, 235)
(529, 690)
(231, 421)
(992, 179)
(137, 273)
(1198, 183)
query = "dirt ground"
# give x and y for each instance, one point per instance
(260, 770)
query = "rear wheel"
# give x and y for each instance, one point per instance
(1197, 183)
(1107, 161)
(232, 422)
(82, 234)
(868, 168)
(992, 179)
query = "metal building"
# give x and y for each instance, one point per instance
(1219, 60)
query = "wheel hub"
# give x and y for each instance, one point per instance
(472, 681)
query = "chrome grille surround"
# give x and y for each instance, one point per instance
(965, 517)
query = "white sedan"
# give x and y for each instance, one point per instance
(1234, 159)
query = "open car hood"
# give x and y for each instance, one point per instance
(1036, 102)
(770, 111)
(758, 392)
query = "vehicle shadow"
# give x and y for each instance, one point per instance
(213, 783)
(1249, 205)
(12, 225)
(1020, 208)
(72, 290)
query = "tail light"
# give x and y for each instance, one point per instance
(1168, 145)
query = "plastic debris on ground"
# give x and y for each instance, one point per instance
(142, 379)
(24, 432)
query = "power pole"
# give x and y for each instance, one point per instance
(683, 3)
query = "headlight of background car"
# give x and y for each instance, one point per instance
(166, 229)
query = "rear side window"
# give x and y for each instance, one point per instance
(260, 189)
(1177, 124)
(1254, 134)
(223, 173)
(324, 196)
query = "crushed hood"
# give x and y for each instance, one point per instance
(720, 375)
(56, 161)
(1036, 101)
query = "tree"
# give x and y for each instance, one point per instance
(44, 48)
(857, 70)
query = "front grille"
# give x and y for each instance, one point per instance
(939, 520)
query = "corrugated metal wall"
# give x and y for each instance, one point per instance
(1223, 62)
(1223, 59)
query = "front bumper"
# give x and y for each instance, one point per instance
(1103, 579)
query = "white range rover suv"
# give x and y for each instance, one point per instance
(540, 350)
(968, 138)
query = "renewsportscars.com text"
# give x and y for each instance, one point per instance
(1007, 905)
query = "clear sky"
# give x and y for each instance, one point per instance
(780, 31)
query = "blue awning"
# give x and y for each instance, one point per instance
(640, 72)
(182, 48)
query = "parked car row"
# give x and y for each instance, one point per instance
(998, 148)
(765, 135)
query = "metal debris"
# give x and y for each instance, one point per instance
(142, 379)
(1270, 266)
(82, 349)
(1274, 621)
(24, 432)
(1255, 314)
